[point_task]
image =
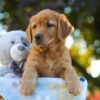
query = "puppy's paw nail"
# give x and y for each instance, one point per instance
(27, 87)
(26, 91)
(74, 89)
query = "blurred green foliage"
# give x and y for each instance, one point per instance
(83, 14)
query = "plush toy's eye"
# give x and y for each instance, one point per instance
(12, 42)
(26, 44)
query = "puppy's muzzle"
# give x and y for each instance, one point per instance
(38, 37)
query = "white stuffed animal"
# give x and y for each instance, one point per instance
(13, 49)
(18, 53)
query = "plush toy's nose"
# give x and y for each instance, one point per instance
(21, 48)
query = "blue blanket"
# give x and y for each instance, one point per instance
(46, 89)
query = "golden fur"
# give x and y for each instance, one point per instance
(50, 57)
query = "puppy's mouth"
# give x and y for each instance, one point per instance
(42, 42)
(39, 43)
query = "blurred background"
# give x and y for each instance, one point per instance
(83, 43)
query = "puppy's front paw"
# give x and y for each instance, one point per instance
(27, 87)
(74, 88)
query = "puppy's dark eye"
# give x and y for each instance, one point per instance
(34, 26)
(12, 42)
(50, 25)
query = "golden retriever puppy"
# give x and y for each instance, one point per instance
(48, 56)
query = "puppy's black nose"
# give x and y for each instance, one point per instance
(21, 48)
(38, 36)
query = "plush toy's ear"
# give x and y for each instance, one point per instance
(29, 33)
(64, 27)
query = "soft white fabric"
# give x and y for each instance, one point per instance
(4, 70)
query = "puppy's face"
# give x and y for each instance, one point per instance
(47, 26)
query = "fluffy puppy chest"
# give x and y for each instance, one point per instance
(52, 64)
(52, 58)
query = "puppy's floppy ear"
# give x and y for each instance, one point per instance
(29, 33)
(29, 30)
(64, 27)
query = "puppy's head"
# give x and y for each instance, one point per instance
(47, 26)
